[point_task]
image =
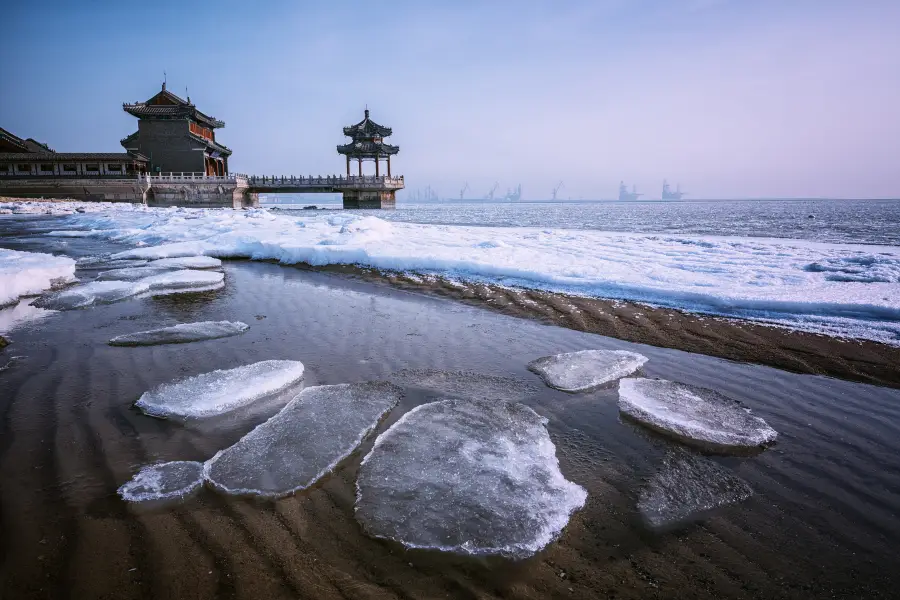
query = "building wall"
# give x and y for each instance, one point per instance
(169, 147)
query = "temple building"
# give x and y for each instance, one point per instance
(368, 144)
(28, 158)
(176, 137)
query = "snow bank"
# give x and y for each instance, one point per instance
(303, 442)
(219, 392)
(838, 289)
(587, 369)
(694, 415)
(30, 273)
(471, 476)
(181, 333)
(163, 481)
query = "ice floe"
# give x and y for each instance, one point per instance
(131, 273)
(694, 415)
(219, 392)
(687, 487)
(163, 481)
(303, 442)
(586, 369)
(470, 476)
(106, 292)
(187, 278)
(88, 294)
(30, 273)
(187, 262)
(181, 333)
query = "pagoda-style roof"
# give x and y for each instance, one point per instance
(9, 142)
(367, 149)
(211, 144)
(166, 105)
(367, 128)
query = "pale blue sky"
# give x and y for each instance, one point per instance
(733, 98)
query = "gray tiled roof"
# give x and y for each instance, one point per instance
(70, 156)
(367, 148)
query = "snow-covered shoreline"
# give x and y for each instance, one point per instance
(843, 290)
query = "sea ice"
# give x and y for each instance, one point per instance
(219, 392)
(187, 262)
(131, 273)
(836, 289)
(181, 333)
(694, 415)
(163, 481)
(688, 486)
(587, 369)
(470, 476)
(307, 439)
(187, 278)
(95, 292)
(30, 273)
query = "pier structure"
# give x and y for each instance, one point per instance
(174, 159)
(367, 143)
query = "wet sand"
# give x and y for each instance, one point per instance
(822, 522)
(733, 339)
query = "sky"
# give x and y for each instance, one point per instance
(729, 98)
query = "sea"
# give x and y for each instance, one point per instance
(834, 221)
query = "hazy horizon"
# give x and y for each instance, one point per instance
(731, 99)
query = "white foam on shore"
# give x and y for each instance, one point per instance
(306, 440)
(181, 333)
(219, 392)
(836, 289)
(470, 476)
(693, 415)
(586, 369)
(30, 273)
(163, 481)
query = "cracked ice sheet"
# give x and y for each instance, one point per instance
(163, 481)
(586, 369)
(218, 392)
(693, 415)
(181, 333)
(302, 443)
(470, 476)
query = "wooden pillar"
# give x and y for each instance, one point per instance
(376, 166)
(348, 165)
(360, 167)
(389, 165)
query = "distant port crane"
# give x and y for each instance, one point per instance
(490, 194)
(462, 192)
(557, 188)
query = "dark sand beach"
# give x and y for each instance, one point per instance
(822, 522)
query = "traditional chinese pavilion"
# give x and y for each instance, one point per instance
(176, 136)
(368, 144)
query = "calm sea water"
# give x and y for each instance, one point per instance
(839, 221)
